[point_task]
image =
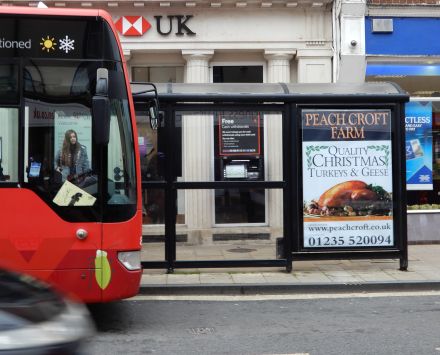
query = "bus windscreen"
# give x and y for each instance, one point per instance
(9, 83)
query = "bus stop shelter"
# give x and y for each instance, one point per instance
(320, 168)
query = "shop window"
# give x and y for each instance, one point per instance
(423, 154)
(422, 139)
(237, 74)
(158, 74)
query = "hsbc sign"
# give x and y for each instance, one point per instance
(132, 25)
(138, 25)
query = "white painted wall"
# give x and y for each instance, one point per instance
(352, 41)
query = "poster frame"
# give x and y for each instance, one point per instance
(399, 247)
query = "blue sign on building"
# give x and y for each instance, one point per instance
(410, 36)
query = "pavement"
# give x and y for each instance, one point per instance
(365, 275)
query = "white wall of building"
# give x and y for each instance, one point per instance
(349, 17)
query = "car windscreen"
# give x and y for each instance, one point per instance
(25, 300)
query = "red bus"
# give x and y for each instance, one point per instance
(69, 162)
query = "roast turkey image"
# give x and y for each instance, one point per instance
(352, 198)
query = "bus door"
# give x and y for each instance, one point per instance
(62, 211)
(55, 216)
(79, 159)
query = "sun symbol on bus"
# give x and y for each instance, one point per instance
(48, 44)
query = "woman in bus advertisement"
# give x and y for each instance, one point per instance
(72, 160)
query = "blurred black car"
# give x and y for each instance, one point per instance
(34, 319)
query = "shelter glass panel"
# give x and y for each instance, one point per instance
(230, 145)
(153, 242)
(197, 241)
(152, 169)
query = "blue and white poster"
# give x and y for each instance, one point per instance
(418, 145)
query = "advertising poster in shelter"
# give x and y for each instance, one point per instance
(347, 178)
(418, 145)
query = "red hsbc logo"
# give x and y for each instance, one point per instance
(132, 25)
(138, 25)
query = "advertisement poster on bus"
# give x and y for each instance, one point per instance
(63, 118)
(418, 145)
(77, 118)
(347, 178)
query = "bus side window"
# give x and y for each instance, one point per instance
(120, 163)
(8, 144)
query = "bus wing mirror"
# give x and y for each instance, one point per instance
(101, 119)
(101, 108)
(153, 109)
(102, 82)
(152, 103)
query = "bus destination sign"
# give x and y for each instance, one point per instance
(51, 38)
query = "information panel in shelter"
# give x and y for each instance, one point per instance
(347, 178)
(239, 133)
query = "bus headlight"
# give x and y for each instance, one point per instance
(130, 259)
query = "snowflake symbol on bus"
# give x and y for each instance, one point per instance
(66, 44)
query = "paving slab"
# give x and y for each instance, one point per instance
(189, 279)
(311, 277)
(213, 278)
(282, 278)
(376, 277)
(345, 279)
(154, 279)
(248, 278)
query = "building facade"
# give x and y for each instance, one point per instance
(401, 47)
(204, 42)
